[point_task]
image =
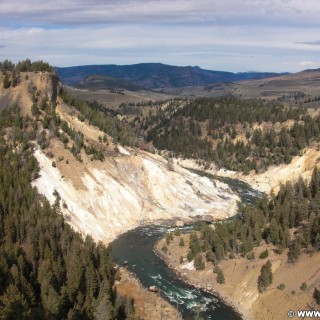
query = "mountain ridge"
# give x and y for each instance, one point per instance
(157, 75)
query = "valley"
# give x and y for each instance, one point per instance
(111, 162)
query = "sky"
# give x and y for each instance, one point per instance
(228, 35)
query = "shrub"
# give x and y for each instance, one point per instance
(216, 269)
(164, 249)
(304, 287)
(190, 256)
(281, 286)
(50, 154)
(316, 295)
(264, 254)
(220, 277)
(169, 237)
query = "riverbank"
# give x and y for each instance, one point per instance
(185, 273)
(241, 275)
(300, 166)
(148, 305)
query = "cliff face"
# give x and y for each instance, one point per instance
(109, 198)
(130, 187)
(30, 86)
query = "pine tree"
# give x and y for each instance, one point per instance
(104, 309)
(294, 251)
(13, 305)
(220, 277)
(198, 262)
(6, 81)
(265, 277)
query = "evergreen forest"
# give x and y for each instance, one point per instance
(47, 270)
(290, 219)
(240, 135)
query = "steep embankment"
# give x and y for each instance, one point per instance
(29, 89)
(300, 166)
(130, 187)
(106, 199)
(273, 177)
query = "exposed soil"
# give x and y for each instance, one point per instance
(149, 305)
(241, 275)
(300, 166)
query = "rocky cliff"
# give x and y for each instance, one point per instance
(130, 187)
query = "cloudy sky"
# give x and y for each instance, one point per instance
(231, 35)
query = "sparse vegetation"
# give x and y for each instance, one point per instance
(97, 116)
(164, 248)
(169, 238)
(25, 66)
(304, 287)
(220, 274)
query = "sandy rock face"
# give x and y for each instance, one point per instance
(300, 167)
(128, 190)
(42, 84)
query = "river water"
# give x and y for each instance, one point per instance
(136, 248)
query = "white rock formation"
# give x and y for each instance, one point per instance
(128, 190)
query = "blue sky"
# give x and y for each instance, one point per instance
(231, 35)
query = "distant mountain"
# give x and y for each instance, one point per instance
(157, 75)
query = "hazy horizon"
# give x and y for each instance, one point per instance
(192, 66)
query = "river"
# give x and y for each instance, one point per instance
(136, 247)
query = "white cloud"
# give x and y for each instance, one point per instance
(159, 11)
(305, 64)
(235, 35)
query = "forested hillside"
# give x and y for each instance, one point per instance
(295, 208)
(156, 75)
(236, 134)
(47, 270)
(97, 116)
(284, 228)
